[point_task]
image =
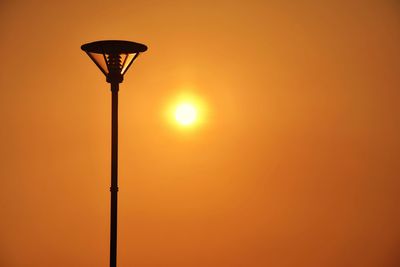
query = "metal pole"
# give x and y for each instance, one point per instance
(114, 173)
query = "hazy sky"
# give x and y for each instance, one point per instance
(297, 163)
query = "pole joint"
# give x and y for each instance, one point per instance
(114, 188)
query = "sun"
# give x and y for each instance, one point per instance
(185, 114)
(186, 111)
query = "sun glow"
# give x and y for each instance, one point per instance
(186, 114)
(187, 111)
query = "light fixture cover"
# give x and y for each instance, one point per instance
(113, 56)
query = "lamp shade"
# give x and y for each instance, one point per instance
(113, 56)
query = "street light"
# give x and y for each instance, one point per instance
(114, 58)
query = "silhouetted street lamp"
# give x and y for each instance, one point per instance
(114, 58)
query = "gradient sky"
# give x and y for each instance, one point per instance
(297, 163)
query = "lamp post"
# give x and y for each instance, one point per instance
(114, 58)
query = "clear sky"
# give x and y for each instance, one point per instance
(295, 164)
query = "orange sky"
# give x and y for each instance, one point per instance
(297, 163)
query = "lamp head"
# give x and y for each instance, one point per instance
(113, 57)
